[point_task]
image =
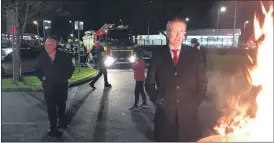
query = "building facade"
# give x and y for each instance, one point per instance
(221, 38)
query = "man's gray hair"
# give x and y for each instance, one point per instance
(51, 39)
(176, 19)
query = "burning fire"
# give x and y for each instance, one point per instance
(259, 126)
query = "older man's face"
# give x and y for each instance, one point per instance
(50, 46)
(176, 33)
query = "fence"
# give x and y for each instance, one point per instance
(206, 42)
(151, 42)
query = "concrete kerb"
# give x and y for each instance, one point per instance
(37, 89)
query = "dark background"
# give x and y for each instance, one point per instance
(136, 14)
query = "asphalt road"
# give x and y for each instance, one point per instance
(99, 115)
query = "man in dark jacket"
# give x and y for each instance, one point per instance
(196, 45)
(176, 83)
(99, 48)
(54, 68)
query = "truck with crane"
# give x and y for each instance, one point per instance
(119, 43)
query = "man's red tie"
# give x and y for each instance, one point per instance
(175, 55)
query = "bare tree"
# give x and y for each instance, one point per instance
(25, 10)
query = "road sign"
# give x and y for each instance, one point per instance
(47, 24)
(78, 25)
(46, 27)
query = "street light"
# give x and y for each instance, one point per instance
(187, 19)
(72, 28)
(148, 22)
(246, 22)
(36, 23)
(234, 23)
(222, 9)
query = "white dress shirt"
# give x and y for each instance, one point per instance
(52, 56)
(178, 53)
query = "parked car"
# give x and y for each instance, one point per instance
(28, 59)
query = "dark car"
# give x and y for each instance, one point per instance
(28, 58)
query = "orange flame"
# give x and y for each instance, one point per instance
(259, 127)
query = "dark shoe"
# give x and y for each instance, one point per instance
(144, 105)
(62, 126)
(92, 85)
(54, 133)
(134, 108)
(107, 85)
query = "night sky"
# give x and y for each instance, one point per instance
(136, 14)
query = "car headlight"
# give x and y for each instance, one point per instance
(6, 51)
(132, 59)
(109, 61)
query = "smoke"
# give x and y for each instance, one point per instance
(225, 91)
(222, 85)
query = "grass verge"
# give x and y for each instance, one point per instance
(34, 83)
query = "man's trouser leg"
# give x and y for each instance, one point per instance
(61, 102)
(137, 93)
(97, 77)
(104, 71)
(50, 98)
(142, 92)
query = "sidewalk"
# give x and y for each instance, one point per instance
(99, 115)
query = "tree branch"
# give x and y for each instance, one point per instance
(26, 17)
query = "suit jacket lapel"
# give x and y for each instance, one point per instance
(167, 57)
(181, 56)
(183, 61)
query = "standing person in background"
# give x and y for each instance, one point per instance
(196, 45)
(139, 76)
(54, 68)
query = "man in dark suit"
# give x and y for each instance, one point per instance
(54, 68)
(196, 45)
(180, 77)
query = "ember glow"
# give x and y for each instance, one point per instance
(258, 127)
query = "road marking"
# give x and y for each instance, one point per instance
(72, 89)
(123, 70)
(73, 94)
(23, 123)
